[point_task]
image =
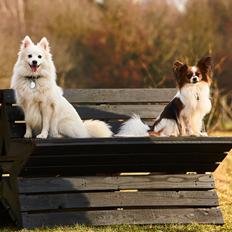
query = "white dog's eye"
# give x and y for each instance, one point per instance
(29, 56)
(39, 56)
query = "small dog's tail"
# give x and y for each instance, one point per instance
(98, 128)
(134, 127)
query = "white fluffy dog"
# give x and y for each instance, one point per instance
(46, 111)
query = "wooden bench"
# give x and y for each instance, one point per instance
(67, 181)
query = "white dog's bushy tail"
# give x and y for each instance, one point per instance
(134, 127)
(98, 129)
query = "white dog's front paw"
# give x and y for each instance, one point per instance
(56, 136)
(42, 136)
(194, 134)
(28, 134)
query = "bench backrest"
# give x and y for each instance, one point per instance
(111, 105)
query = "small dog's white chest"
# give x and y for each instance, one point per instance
(196, 98)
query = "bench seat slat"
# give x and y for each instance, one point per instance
(93, 158)
(142, 182)
(118, 199)
(125, 145)
(136, 216)
(163, 95)
(144, 140)
(103, 112)
(116, 168)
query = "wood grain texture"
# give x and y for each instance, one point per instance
(143, 182)
(103, 112)
(116, 217)
(118, 199)
(163, 95)
(120, 162)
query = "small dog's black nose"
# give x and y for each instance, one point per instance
(194, 79)
(34, 62)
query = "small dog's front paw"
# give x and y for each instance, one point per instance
(28, 135)
(42, 136)
(204, 134)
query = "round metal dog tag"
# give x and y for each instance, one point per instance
(32, 84)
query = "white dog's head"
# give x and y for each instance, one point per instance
(34, 58)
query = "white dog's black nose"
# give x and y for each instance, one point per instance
(34, 62)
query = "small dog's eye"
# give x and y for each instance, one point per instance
(197, 74)
(39, 56)
(29, 56)
(189, 75)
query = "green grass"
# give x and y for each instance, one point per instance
(223, 177)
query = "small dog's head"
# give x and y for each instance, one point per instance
(193, 74)
(34, 55)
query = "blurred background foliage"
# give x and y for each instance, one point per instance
(124, 43)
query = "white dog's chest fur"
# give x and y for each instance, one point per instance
(32, 99)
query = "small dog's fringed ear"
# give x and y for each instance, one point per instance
(205, 64)
(44, 44)
(179, 66)
(26, 42)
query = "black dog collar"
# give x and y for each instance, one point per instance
(32, 81)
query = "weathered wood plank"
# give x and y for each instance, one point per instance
(105, 158)
(118, 199)
(116, 168)
(112, 217)
(163, 95)
(200, 144)
(156, 140)
(119, 95)
(103, 112)
(128, 149)
(143, 182)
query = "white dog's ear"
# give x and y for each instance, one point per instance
(26, 42)
(44, 44)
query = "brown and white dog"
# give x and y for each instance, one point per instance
(184, 114)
